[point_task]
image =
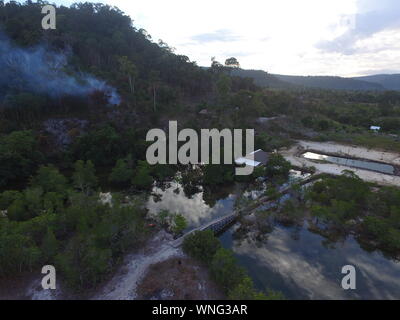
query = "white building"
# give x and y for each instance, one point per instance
(375, 128)
(254, 159)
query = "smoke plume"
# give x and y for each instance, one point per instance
(44, 71)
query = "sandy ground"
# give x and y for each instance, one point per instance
(178, 279)
(123, 285)
(293, 156)
(352, 151)
(155, 268)
(36, 292)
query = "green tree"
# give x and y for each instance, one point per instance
(277, 166)
(49, 245)
(163, 216)
(102, 146)
(50, 180)
(179, 224)
(232, 62)
(19, 156)
(202, 245)
(224, 84)
(18, 211)
(217, 174)
(216, 67)
(34, 200)
(53, 201)
(84, 177)
(129, 69)
(122, 172)
(245, 291)
(225, 270)
(142, 177)
(8, 197)
(154, 79)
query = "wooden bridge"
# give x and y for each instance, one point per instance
(222, 223)
(215, 226)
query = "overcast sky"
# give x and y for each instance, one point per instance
(301, 37)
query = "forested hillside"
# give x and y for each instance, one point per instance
(278, 81)
(333, 83)
(264, 79)
(75, 106)
(101, 41)
(388, 81)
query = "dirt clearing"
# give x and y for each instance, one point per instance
(178, 279)
(293, 155)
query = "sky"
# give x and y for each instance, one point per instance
(297, 37)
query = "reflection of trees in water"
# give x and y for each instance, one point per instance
(295, 232)
(190, 190)
(259, 225)
(163, 185)
(160, 186)
(255, 228)
(190, 181)
(212, 194)
(331, 233)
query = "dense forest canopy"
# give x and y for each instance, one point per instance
(97, 36)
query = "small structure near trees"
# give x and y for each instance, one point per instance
(255, 159)
(375, 128)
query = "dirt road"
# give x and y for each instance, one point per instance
(123, 285)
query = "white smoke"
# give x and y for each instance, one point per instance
(44, 71)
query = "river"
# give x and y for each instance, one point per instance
(299, 263)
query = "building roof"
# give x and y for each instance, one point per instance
(247, 162)
(375, 128)
(254, 158)
(260, 156)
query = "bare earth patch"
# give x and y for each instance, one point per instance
(178, 278)
(293, 155)
(123, 284)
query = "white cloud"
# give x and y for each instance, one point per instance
(370, 19)
(339, 37)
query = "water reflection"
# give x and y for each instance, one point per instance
(292, 259)
(199, 209)
(369, 165)
(302, 267)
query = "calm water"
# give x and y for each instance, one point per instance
(196, 209)
(294, 261)
(375, 166)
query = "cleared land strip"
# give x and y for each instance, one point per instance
(293, 155)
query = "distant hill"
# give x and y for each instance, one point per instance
(388, 81)
(327, 82)
(373, 83)
(263, 79)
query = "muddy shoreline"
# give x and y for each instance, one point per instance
(340, 155)
(294, 153)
